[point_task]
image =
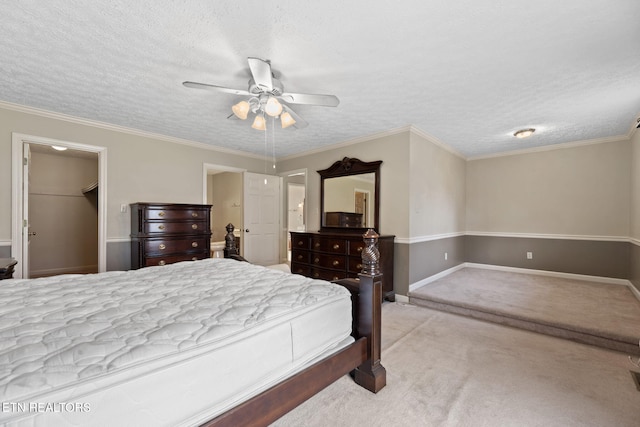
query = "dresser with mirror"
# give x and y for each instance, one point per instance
(349, 206)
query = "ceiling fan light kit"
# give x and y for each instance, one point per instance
(267, 96)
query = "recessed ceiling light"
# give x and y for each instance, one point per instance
(523, 133)
(59, 148)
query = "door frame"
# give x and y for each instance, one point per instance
(18, 246)
(284, 238)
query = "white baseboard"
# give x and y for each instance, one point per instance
(599, 279)
(414, 286)
(402, 298)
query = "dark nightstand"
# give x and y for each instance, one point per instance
(6, 268)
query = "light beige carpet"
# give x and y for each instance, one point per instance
(448, 370)
(606, 315)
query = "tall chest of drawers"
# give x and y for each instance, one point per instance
(334, 256)
(164, 233)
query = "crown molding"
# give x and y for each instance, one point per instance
(562, 146)
(348, 142)
(123, 129)
(432, 139)
(378, 135)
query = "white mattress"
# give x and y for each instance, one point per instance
(171, 345)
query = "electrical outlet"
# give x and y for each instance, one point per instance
(123, 208)
(446, 256)
(529, 255)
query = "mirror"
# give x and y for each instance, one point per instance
(349, 195)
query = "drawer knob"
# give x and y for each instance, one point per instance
(359, 266)
(162, 246)
(194, 226)
(317, 245)
(300, 243)
(359, 248)
(317, 260)
(161, 262)
(194, 214)
(161, 227)
(316, 274)
(195, 258)
(336, 246)
(336, 262)
(161, 213)
(335, 277)
(194, 244)
(300, 257)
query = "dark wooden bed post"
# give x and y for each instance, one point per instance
(371, 374)
(230, 247)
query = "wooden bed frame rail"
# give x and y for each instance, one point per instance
(361, 358)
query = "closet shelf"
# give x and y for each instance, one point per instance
(89, 188)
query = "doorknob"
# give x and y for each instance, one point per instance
(246, 230)
(32, 233)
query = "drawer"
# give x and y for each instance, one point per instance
(324, 274)
(174, 214)
(176, 227)
(300, 256)
(299, 242)
(338, 246)
(303, 269)
(335, 262)
(168, 246)
(163, 260)
(355, 264)
(356, 247)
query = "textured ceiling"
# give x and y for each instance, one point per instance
(468, 73)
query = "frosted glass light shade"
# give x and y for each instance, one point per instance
(241, 109)
(286, 120)
(259, 123)
(273, 107)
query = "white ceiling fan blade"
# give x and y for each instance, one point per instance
(300, 122)
(215, 88)
(311, 99)
(261, 71)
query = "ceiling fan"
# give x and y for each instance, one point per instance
(267, 97)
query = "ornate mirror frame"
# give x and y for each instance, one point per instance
(349, 167)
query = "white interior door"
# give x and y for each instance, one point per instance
(261, 237)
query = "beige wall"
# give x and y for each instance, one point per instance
(578, 191)
(635, 186)
(635, 210)
(422, 194)
(139, 168)
(437, 189)
(393, 150)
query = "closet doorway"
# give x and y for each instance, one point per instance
(58, 212)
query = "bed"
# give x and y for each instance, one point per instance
(211, 342)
